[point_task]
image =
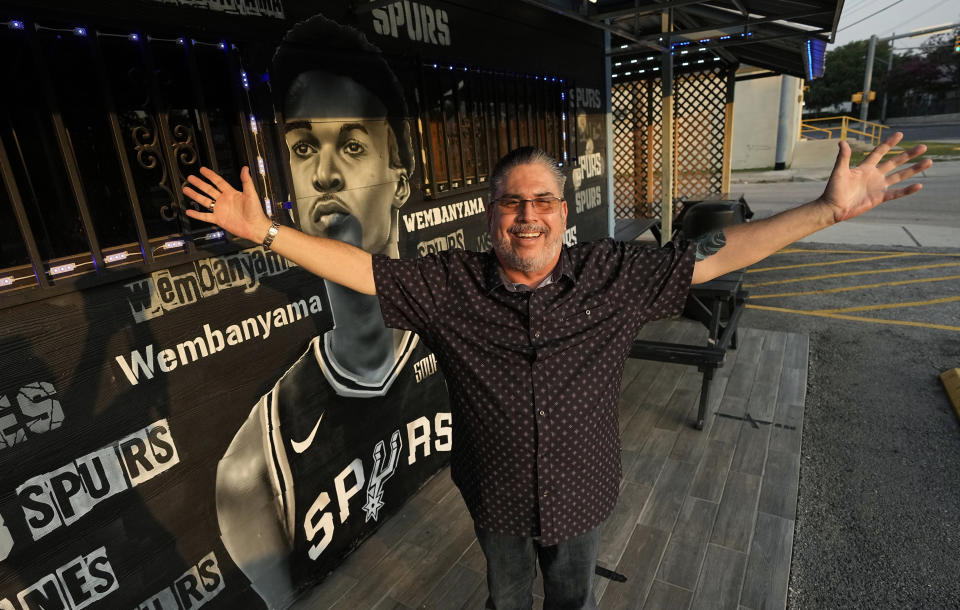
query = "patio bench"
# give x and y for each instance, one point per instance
(717, 304)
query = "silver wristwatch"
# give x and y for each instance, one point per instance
(271, 234)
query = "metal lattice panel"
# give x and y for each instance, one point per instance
(699, 115)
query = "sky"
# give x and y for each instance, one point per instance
(900, 18)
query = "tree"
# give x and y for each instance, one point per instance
(843, 73)
(927, 82)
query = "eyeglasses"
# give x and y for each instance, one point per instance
(513, 205)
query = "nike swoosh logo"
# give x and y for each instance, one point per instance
(302, 446)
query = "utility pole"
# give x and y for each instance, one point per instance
(868, 69)
(886, 80)
(785, 135)
(867, 77)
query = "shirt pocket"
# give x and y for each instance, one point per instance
(590, 313)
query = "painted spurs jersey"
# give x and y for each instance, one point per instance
(339, 451)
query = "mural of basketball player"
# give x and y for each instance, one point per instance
(305, 448)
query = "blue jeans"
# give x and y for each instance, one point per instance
(567, 567)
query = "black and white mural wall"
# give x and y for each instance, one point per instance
(224, 427)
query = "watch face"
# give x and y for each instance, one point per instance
(271, 233)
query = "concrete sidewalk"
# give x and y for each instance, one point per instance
(880, 234)
(817, 174)
(865, 233)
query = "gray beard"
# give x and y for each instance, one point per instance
(535, 263)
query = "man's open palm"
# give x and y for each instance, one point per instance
(849, 193)
(238, 212)
(852, 191)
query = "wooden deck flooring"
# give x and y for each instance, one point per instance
(705, 518)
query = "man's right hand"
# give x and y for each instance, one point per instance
(240, 213)
(234, 211)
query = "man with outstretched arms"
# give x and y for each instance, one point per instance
(532, 338)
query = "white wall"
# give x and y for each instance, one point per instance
(756, 111)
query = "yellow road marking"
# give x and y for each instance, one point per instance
(850, 288)
(849, 274)
(890, 305)
(840, 262)
(838, 316)
(804, 251)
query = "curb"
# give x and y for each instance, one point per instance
(777, 179)
(951, 383)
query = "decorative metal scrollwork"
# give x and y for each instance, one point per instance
(185, 151)
(146, 144)
(145, 140)
(184, 145)
(168, 211)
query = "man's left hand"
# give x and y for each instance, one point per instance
(852, 191)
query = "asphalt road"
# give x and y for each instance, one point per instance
(878, 521)
(913, 132)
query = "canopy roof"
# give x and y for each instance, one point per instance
(770, 34)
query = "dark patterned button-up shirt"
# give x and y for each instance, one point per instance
(534, 376)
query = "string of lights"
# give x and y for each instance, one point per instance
(650, 64)
(453, 67)
(255, 132)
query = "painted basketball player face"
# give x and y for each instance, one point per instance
(340, 146)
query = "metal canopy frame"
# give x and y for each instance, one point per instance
(768, 34)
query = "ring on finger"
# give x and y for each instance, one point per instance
(212, 203)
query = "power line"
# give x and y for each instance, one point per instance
(870, 15)
(856, 7)
(918, 16)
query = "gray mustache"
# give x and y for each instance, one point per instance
(528, 228)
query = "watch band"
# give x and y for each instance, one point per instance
(271, 234)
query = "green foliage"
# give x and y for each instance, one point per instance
(920, 81)
(843, 74)
(928, 81)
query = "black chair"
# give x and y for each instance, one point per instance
(701, 216)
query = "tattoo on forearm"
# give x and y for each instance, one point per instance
(710, 244)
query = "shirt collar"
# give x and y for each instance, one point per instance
(494, 274)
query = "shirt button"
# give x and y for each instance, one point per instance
(542, 412)
(537, 334)
(544, 494)
(588, 312)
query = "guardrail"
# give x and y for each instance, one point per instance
(841, 127)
